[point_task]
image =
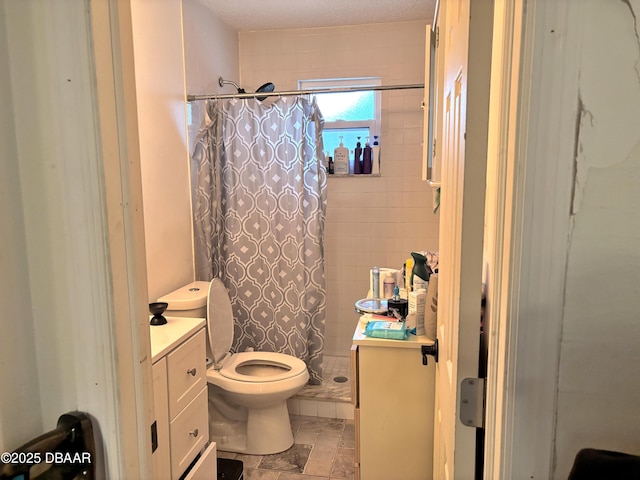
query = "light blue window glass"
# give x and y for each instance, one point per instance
(347, 106)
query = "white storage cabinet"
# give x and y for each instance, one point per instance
(393, 396)
(180, 401)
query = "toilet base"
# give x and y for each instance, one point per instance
(265, 431)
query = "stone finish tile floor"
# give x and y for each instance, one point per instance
(336, 381)
(323, 449)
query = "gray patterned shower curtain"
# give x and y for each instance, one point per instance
(259, 212)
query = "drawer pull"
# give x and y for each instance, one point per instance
(194, 433)
(192, 372)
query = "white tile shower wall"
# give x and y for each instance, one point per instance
(370, 221)
(320, 408)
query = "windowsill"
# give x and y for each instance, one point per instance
(343, 175)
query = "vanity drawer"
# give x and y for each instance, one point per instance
(206, 467)
(186, 372)
(189, 433)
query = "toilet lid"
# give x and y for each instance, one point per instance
(219, 320)
(261, 367)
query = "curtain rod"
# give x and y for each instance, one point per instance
(191, 98)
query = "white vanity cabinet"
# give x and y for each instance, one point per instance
(180, 401)
(393, 395)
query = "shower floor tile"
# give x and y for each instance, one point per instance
(336, 381)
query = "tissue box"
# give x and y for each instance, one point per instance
(392, 330)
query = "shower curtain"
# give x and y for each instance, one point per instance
(259, 212)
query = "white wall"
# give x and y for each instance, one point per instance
(598, 387)
(19, 395)
(370, 221)
(57, 351)
(160, 85)
(210, 51)
(42, 163)
(180, 48)
(39, 142)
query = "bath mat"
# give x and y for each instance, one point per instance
(292, 460)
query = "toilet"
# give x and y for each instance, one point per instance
(248, 391)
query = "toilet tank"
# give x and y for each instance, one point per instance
(188, 301)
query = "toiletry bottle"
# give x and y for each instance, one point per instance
(357, 158)
(409, 276)
(417, 305)
(341, 159)
(397, 307)
(388, 286)
(420, 266)
(376, 283)
(375, 151)
(366, 158)
(330, 167)
(404, 276)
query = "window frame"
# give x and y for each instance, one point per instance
(374, 125)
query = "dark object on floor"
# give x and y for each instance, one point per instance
(229, 469)
(340, 379)
(592, 464)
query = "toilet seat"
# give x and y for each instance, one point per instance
(261, 367)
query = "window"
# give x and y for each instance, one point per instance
(350, 115)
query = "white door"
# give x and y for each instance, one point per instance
(464, 118)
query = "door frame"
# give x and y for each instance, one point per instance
(119, 160)
(534, 80)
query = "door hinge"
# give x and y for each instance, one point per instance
(433, 151)
(154, 437)
(437, 36)
(472, 395)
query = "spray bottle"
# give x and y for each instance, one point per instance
(420, 272)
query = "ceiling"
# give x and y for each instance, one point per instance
(245, 15)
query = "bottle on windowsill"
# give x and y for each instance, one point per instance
(357, 159)
(341, 159)
(366, 158)
(375, 152)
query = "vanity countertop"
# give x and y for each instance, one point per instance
(177, 329)
(413, 341)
